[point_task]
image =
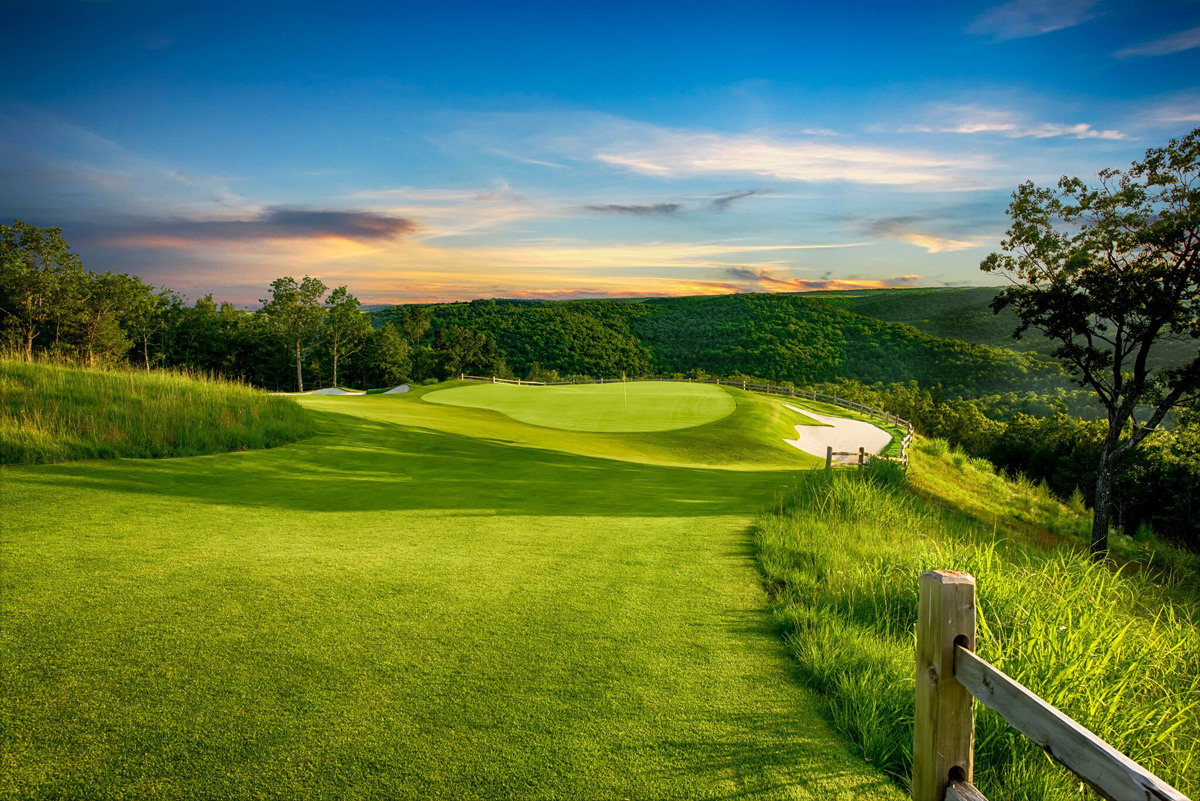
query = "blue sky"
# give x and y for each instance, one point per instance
(458, 150)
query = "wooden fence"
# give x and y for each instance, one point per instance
(950, 677)
(767, 389)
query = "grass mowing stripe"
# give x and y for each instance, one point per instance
(422, 600)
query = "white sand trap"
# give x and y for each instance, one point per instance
(333, 391)
(394, 390)
(840, 433)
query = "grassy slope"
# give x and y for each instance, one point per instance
(1119, 653)
(420, 601)
(51, 413)
(623, 407)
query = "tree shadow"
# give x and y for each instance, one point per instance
(362, 465)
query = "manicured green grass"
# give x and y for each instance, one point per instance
(421, 601)
(1116, 651)
(53, 413)
(629, 406)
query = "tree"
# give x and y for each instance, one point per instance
(295, 311)
(105, 300)
(1108, 272)
(34, 262)
(389, 357)
(346, 328)
(147, 316)
(460, 350)
(415, 322)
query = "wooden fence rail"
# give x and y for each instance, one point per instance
(766, 389)
(950, 677)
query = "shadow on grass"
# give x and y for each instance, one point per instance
(360, 465)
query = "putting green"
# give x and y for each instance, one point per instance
(624, 407)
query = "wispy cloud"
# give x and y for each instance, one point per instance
(638, 209)
(528, 159)
(913, 230)
(768, 280)
(723, 202)
(971, 119)
(673, 152)
(272, 224)
(1021, 18)
(456, 212)
(1175, 43)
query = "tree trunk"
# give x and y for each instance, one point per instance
(28, 344)
(1102, 509)
(299, 373)
(335, 383)
(146, 351)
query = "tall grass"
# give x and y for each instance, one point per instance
(54, 412)
(842, 554)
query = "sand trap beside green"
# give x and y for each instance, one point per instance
(633, 406)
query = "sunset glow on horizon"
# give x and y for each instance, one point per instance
(528, 151)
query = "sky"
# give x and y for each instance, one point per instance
(450, 151)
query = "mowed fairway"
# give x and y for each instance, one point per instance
(421, 601)
(620, 407)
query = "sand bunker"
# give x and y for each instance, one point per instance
(394, 390)
(333, 391)
(840, 433)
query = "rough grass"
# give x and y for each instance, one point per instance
(842, 554)
(54, 413)
(422, 601)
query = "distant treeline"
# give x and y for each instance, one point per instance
(306, 335)
(781, 338)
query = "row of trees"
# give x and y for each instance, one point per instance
(302, 335)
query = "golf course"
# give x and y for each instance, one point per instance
(461, 591)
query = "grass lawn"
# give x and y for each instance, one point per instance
(621, 407)
(422, 600)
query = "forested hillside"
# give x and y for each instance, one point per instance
(782, 338)
(965, 313)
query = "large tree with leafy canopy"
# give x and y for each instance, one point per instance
(346, 328)
(1107, 272)
(36, 265)
(295, 311)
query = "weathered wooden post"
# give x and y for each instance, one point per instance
(944, 730)
(861, 460)
(828, 457)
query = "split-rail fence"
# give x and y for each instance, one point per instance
(951, 677)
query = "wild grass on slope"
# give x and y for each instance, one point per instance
(842, 555)
(55, 413)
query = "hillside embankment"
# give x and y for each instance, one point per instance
(54, 413)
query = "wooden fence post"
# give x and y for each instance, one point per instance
(828, 457)
(860, 457)
(944, 730)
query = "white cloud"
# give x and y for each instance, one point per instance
(1020, 18)
(1175, 43)
(670, 153)
(935, 244)
(971, 119)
